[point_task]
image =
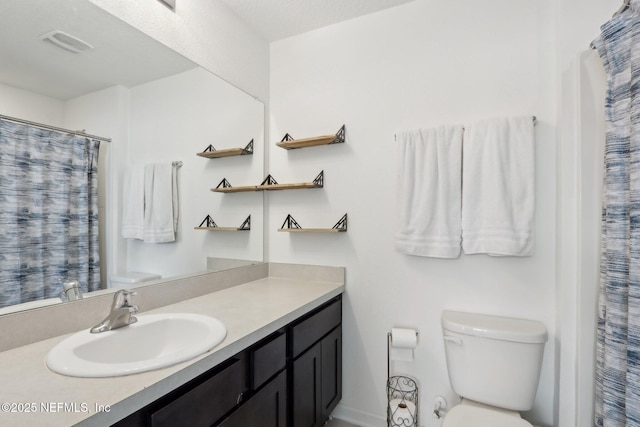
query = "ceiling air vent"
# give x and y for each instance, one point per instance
(66, 41)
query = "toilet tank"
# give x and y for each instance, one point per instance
(132, 278)
(494, 360)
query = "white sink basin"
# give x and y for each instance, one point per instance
(155, 341)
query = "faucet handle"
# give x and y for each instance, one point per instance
(121, 298)
(126, 292)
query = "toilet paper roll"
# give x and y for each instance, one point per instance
(403, 341)
(403, 412)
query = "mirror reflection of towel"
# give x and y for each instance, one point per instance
(159, 224)
(150, 203)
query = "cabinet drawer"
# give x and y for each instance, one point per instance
(206, 403)
(314, 327)
(267, 359)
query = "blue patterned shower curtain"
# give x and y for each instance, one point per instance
(48, 212)
(618, 335)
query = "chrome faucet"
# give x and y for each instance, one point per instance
(121, 313)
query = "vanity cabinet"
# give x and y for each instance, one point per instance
(291, 378)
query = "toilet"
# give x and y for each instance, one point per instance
(131, 278)
(494, 366)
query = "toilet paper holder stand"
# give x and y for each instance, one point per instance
(402, 396)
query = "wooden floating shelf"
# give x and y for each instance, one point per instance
(289, 143)
(220, 228)
(209, 224)
(235, 189)
(310, 230)
(212, 153)
(269, 184)
(290, 225)
(288, 186)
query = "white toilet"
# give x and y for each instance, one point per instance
(494, 365)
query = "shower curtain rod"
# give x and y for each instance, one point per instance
(49, 127)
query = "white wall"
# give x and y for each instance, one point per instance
(418, 65)
(31, 106)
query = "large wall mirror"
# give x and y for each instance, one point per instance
(155, 106)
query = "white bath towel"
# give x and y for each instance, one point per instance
(429, 179)
(133, 203)
(160, 199)
(498, 187)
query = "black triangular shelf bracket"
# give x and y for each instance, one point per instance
(246, 225)
(341, 224)
(208, 222)
(224, 184)
(269, 180)
(290, 223)
(248, 149)
(319, 180)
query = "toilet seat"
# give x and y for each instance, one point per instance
(465, 415)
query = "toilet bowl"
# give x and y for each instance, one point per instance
(494, 364)
(131, 278)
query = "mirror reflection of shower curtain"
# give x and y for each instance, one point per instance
(48, 213)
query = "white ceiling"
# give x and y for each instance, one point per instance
(124, 56)
(278, 19)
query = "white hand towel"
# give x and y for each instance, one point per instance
(133, 203)
(429, 179)
(498, 181)
(159, 226)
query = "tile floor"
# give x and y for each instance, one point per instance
(334, 422)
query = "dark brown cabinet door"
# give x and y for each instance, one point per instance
(317, 381)
(331, 378)
(306, 390)
(267, 408)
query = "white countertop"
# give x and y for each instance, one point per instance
(250, 312)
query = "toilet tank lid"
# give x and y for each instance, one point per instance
(496, 327)
(132, 277)
(465, 415)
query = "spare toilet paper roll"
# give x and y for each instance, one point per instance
(403, 412)
(403, 341)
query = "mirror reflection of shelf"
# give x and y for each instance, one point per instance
(289, 143)
(269, 184)
(290, 225)
(209, 224)
(211, 153)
